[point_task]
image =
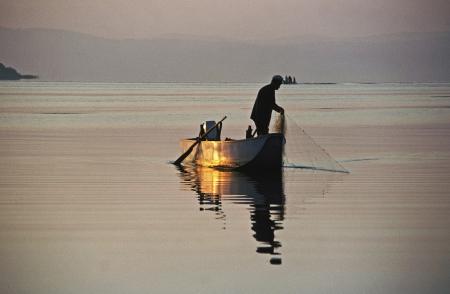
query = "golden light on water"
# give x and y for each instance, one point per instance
(210, 180)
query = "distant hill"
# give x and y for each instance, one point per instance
(67, 56)
(9, 73)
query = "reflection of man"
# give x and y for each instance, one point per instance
(268, 214)
(264, 104)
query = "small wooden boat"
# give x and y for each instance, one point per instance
(262, 153)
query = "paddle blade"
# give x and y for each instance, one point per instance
(185, 154)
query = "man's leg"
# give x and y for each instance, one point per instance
(262, 130)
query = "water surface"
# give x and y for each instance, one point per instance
(89, 203)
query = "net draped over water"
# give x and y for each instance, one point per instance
(301, 151)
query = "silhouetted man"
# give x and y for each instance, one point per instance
(264, 104)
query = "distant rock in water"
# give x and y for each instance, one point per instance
(288, 80)
(9, 73)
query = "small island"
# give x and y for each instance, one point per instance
(10, 74)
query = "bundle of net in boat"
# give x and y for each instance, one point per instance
(301, 151)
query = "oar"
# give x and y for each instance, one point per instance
(199, 139)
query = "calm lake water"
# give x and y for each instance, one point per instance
(90, 204)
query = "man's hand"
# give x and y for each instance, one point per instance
(278, 108)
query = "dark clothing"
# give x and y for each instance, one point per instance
(262, 109)
(262, 129)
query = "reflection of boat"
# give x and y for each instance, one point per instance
(260, 153)
(263, 193)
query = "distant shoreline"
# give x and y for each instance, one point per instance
(72, 56)
(11, 74)
(24, 77)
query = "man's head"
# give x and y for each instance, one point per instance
(277, 80)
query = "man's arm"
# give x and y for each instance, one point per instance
(278, 108)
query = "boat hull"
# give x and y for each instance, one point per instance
(260, 153)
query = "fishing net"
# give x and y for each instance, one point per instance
(301, 151)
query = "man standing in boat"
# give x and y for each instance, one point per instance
(264, 104)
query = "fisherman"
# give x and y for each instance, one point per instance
(264, 104)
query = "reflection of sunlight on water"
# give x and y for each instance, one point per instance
(264, 194)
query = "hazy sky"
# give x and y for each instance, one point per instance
(241, 19)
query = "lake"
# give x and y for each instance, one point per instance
(89, 202)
